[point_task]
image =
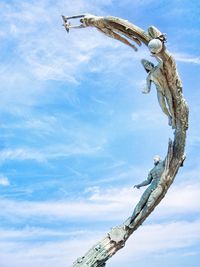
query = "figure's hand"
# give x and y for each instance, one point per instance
(145, 91)
(137, 186)
(66, 23)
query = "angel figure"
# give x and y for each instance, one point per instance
(164, 95)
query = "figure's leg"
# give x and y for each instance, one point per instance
(170, 105)
(163, 106)
(141, 203)
(152, 198)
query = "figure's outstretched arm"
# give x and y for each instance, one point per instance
(145, 182)
(68, 25)
(76, 26)
(147, 89)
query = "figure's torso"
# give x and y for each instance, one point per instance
(158, 79)
(156, 173)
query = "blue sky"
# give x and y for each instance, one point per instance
(77, 134)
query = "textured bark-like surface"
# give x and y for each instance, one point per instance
(119, 29)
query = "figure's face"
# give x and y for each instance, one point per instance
(84, 21)
(156, 162)
(148, 65)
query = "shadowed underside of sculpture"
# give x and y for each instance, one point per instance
(170, 98)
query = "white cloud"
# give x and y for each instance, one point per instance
(62, 210)
(156, 239)
(44, 52)
(101, 205)
(21, 154)
(50, 53)
(4, 181)
(159, 239)
(45, 154)
(182, 199)
(49, 253)
(187, 58)
(30, 233)
(110, 204)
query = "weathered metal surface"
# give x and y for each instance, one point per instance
(121, 29)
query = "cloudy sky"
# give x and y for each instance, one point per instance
(77, 134)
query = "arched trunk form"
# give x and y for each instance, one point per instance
(127, 33)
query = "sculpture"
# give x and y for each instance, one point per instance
(169, 87)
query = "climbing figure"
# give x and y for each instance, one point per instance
(152, 179)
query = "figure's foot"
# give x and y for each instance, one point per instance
(183, 159)
(173, 124)
(128, 223)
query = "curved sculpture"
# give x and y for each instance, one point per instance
(170, 97)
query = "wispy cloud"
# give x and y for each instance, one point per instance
(104, 205)
(21, 154)
(63, 210)
(49, 253)
(36, 233)
(50, 54)
(44, 154)
(158, 239)
(39, 56)
(187, 58)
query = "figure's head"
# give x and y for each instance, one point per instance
(156, 159)
(155, 46)
(147, 65)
